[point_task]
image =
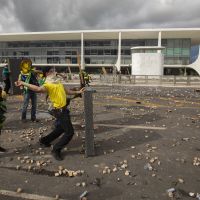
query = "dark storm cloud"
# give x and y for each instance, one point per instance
(57, 15)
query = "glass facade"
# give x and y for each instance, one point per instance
(177, 51)
(194, 52)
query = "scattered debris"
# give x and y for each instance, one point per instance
(180, 180)
(148, 167)
(97, 182)
(196, 161)
(192, 194)
(127, 173)
(84, 194)
(170, 192)
(19, 190)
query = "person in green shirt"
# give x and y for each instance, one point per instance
(6, 79)
(28, 75)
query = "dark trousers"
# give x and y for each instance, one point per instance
(33, 97)
(63, 126)
(7, 85)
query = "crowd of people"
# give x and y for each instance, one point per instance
(31, 82)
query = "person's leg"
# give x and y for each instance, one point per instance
(46, 140)
(8, 85)
(33, 97)
(25, 105)
(65, 123)
(5, 85)
(49, 138)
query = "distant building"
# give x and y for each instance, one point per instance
(104, 48)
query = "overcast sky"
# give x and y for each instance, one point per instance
(66, 15)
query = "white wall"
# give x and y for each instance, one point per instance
(147, 63)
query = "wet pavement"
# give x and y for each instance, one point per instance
(147, 141)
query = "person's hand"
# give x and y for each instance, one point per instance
(82, 90)
(18, 83)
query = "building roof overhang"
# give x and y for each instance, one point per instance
(192, 33)
(148, 48)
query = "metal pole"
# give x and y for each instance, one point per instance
(134, 77)
(160, 80)
(174, 80)
(89, 128)
(188, 80)
(146, 79)
(119, 78)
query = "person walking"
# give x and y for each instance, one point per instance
(87, 78)
(57, 93)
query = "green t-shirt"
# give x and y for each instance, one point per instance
(5, 73)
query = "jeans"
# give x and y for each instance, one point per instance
(33, 96)
(63, 126)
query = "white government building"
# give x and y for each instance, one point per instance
(170, 51)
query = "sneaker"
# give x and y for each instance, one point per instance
(44, 144)
(2, 149)
(57, 155)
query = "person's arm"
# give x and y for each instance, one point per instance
(37, 71)
(19, 79)
(61, 75)
(35, 88)
(74, 92)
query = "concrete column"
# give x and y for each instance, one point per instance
(159, 41)
(89, 126)
(118, 63)
(82, 52)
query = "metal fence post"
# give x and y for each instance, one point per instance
(160, 80)
(89, 128)
(188, 80)
(146, 79)
(174, 80)
(119, 78)
(129, 78)
(134, 79)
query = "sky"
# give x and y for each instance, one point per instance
(68, 15)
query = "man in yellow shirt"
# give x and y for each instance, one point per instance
(57, 93)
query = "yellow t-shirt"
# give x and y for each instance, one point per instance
(56, 94)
